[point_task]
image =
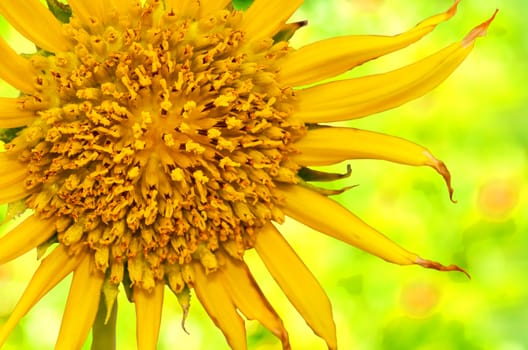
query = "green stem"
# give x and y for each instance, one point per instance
(104, 333)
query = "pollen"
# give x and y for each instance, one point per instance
(156, 132)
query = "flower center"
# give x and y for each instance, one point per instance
(160, 141)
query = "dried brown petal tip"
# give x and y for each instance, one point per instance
(479, 31)
(429, 264)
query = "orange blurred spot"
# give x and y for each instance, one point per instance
(418, 299)
(498, 198)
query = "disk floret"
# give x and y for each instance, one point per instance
(161, 139)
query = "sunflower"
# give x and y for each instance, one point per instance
(154, 142)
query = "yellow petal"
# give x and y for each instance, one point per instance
(34, 21)
(29, 234)
(124, 7)
(331, 57)
(264, 18)
(287, 30)
(149, 305)
(329, 145)
(11, 182)
(81, 306)
(53, 269)
(331, 218)
(212, 6)
(218, 304)
(297, 282)
(249, 299)
(359, 97)
(16, 70)
(12, 115)
(13, 193)
(184, 7)
(12, 172)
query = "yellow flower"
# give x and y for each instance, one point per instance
(159, 140)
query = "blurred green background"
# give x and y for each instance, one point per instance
(475, 122)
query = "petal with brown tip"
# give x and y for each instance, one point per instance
(331, 57)
(360, 97)
(330, 145)
(329, 217)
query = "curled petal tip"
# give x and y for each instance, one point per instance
(453, 9)
(184, 319)
(478, 31)
(441, 168)
(429, 264)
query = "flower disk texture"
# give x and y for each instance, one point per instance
(155, 142)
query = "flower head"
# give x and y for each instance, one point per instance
(157, 141)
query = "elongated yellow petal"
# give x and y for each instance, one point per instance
(123, 7)
(356, 98)
(297, 282)
(29, 234)
(12, 171)
(331, 218)
(211, 6)
(249, 299)
(16, 70)
(11, 114)
(218, 304)
(149, 305)
(81, 306)
(329, 145)
(53, 269)
(265, 17)
(34, 21)
(12, 175)
(331, 57)
(13, 193)
(184, 7)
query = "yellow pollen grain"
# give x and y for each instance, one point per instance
(196, 148)
(233, 123)
(168, 139)
(177, 174)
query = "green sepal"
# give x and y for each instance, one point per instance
(14, 210)
(288, 30)
(60, 10)
(7, 135)
(308, 174)
(127, 285)
(43, 248)
(110, 292)
(184, 299)
(325, 191)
